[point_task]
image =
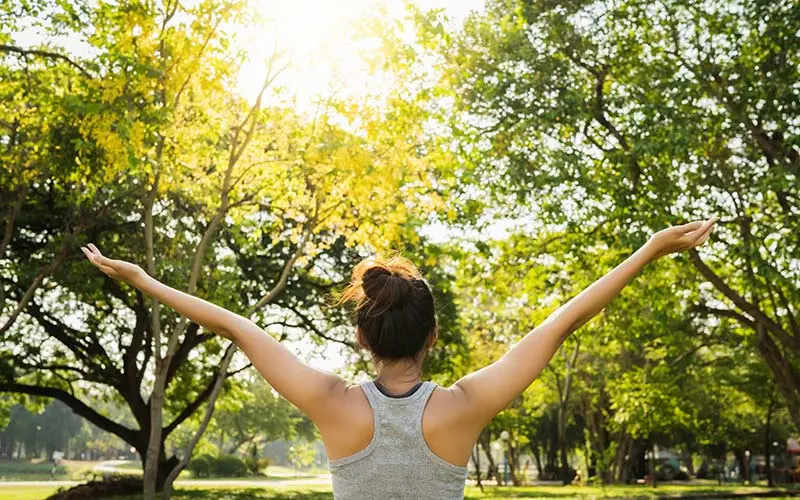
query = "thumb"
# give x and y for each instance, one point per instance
(99, 257)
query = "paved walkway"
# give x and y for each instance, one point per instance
(111, 467)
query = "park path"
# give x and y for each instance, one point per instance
(111, 467)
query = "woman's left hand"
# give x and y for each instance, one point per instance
(680, 238)
(117, 269)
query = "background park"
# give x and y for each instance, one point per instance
(251, 152)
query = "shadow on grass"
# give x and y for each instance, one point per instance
(628, 492)
(250, 494)
(494, 493)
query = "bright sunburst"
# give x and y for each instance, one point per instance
(325, 41)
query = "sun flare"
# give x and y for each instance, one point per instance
(322, 40)
(325, 42)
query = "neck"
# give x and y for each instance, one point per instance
(399, 376)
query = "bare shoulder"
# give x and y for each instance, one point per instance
(346, 426)
(447, 426)
(350, 404)
(448, 406)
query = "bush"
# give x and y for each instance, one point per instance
(229, 466)
(252, 465)
(668, 472)
(201, 465)
(682, 475)
(256, 465)
(101, 489)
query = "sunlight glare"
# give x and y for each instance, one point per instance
(320, 40)
(325, 43)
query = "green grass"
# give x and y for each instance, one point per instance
(24, 470)
(26, 492)
(242, 493)
(31, 470)
(130, 465)
(589, 492)
(212, 492)
(545, 492)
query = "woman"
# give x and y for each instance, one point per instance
(397, 436)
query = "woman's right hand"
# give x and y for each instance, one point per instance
(117, 269)
(680, 238)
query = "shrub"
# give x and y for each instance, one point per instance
(256, 465)
(200, 466)
(101, 489)
(252, 465)
(229, 466)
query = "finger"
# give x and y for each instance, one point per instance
(89, 255)
(703, 239)
(705, 235)
(99, 256)
(704, 227)
(691, 226)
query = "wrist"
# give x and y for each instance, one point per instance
(139, 278)
(649, 251)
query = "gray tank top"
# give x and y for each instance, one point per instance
(397, 463)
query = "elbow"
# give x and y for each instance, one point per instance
(229, 327)
(235, 327)
(222, 331)
(227, 334)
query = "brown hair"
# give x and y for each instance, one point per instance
(394, 307)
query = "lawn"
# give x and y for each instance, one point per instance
(31, 470)
(25, 492)
(323, 492)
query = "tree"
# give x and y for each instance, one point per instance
(256, 415)
(142, 146)
(632, 116)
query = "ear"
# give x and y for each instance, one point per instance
(433, 337)
(360, 338)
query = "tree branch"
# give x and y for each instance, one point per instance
(44, 273)
(78, 406)
(310, 324)
(44, 53)
(742, 303)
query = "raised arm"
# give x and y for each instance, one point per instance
(487, 391)
(304, 386)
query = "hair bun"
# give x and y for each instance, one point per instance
(385, 289)
(382, 284)
(394, 307)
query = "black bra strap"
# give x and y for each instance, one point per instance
(407, 394)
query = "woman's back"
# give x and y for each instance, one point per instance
(397, 461)
(412, 447)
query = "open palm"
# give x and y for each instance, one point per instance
(683, 237)
(117, 269)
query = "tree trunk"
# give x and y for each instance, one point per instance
(187, 454)
(512, 456)
(152, 460)
(563, 406)
(162, 466)
(484, 439)
(620, 470)
(653, 461)
(537, 456)
(552, 454)
(476, 461)
(768, 438)
(739, 454)
(565, 479)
